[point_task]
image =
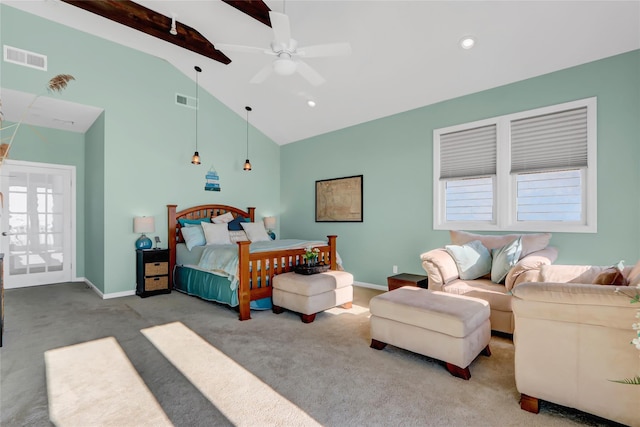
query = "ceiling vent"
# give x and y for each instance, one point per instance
(186, 101)
(25, 58)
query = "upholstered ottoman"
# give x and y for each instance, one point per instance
(311, 294)
(448, 327)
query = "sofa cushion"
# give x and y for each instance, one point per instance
(472, 259)
(504, 259)
(496, 295)
(528, 268)
(530, 242)
(634, 275)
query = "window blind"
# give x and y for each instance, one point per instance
(550, 141)
(468, 153)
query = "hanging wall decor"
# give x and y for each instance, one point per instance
(212, 180)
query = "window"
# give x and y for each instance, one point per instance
(528, 171)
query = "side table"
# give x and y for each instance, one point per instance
(406, 279)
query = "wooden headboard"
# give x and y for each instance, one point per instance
(196, 212)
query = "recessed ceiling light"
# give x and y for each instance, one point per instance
(467, 42)
(311, 103)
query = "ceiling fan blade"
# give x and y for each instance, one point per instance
(239, 48)
(281, 29)
(262, 74)
(330, 49)
(309, 73)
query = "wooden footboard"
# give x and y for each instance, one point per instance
(252, 271)
(249, 264)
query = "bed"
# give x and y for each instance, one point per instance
(250, 283)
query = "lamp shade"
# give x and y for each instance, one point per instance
(144, 224)
(270, 222)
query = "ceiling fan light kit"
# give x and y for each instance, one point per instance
(284, 66)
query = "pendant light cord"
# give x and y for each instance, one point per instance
(248, 109)
(197, 104)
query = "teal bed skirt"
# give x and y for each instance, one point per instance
(211, 287)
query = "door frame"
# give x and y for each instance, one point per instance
(72, 214)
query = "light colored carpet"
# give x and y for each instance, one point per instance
(95, 384)
(325, 369)
(241, 396)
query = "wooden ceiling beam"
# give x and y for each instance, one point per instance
(157, 25)
(256, 9)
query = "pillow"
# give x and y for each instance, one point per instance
(183, 221)
(504, 259)
(255, 231)
(611, 276)
(193, 235)
(235, 224)
(472, 259)
(238, 236)
(634, 275)
(222, 219)
(216, 234)
(530, 242)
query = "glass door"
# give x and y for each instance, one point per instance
(36, 223)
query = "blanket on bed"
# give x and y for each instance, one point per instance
(223, 259)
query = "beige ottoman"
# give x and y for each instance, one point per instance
(448, 327)
(312, 294)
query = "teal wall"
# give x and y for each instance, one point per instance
(137, 156)
(147, 142)
(395, 155)
(94, 204)
(44, 145)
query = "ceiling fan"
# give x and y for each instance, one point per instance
(288, 55)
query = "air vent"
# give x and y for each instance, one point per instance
(186, 101)
(25, 58)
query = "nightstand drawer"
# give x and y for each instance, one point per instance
(156, 269)
(156, 283)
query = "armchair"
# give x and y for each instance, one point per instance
(572, 342)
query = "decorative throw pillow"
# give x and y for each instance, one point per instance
(193, 235)
(472, 259)
(222, 219)
(530, 242)
(238, 236)
(504, 259)
(255, 231)
(216, 234)
(183, 222)
(611, 276)
(235, 224)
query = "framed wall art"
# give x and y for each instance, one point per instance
(339, 199)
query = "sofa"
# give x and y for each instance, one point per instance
(445, 275)
(573, 341)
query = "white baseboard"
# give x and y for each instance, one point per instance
(133, 292)
(110, 295)
(371, 286)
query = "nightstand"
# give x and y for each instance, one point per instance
(405, 279)
(152, 272)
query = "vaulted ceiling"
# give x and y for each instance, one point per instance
(405, 54)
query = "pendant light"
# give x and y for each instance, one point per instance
(196, 156)
(247, 163)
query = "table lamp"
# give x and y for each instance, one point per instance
(270, 225)
(143, 224)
